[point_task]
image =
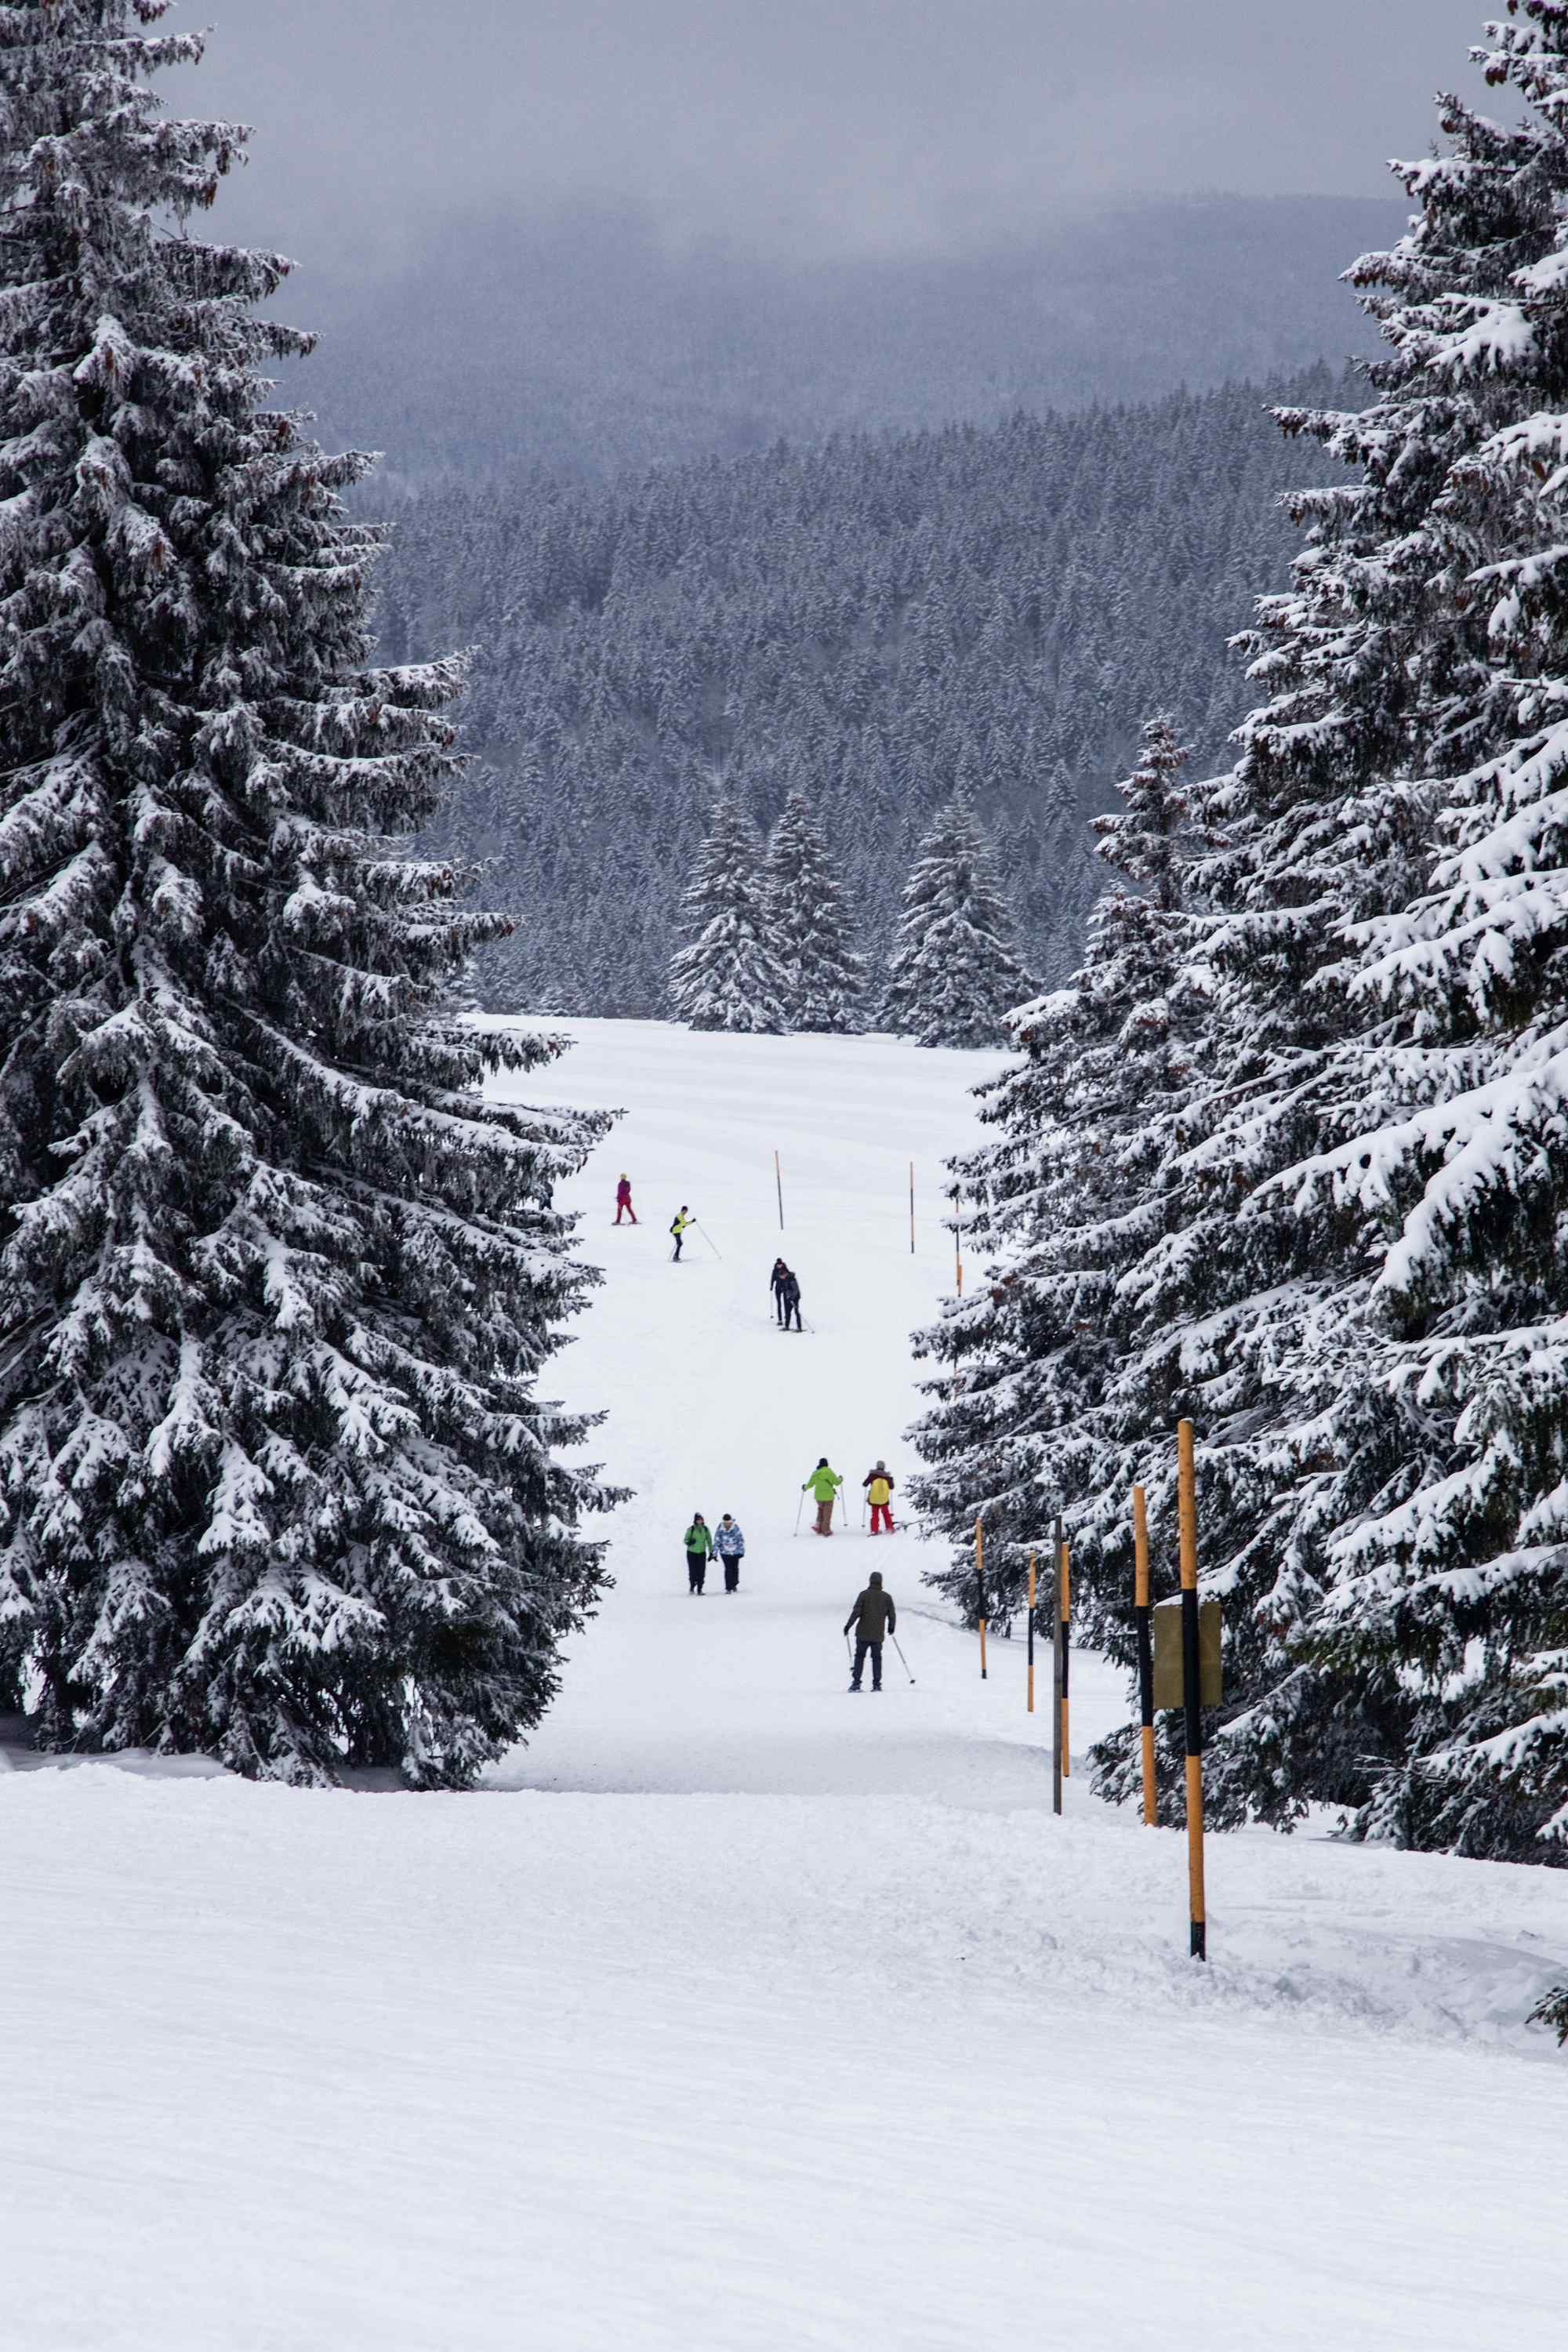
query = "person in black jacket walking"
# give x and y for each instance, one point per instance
(874, 1617)
(776, 1281)
(789, 1299)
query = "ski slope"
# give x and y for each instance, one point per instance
(712, 1408)
(738, 2011)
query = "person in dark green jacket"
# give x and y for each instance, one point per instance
(699, 1549)
(874, 1617)
(823, 1483)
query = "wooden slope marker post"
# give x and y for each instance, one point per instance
(1145, 1652)
(1064, 1608)
(980, 1588)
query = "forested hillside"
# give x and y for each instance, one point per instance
(587, 345)
(876, 623)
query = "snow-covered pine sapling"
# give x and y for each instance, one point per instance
(952, 976)
(729, 976)
(809, 926)
(277, 1283)
(1552, 2010)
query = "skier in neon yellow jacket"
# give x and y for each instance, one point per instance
(825, 1484)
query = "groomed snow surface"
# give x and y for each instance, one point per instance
(739, 2012)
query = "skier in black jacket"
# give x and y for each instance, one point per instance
(874, 1617)
(789, 1299)
(776, 1281)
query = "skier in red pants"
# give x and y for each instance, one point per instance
(624, 1200)
(880, 1488)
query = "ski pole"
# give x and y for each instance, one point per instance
(902, 1660)
(798, 1508)
(709, 1239)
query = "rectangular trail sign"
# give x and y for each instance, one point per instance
(1169, 1689)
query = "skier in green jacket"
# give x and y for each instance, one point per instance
(678, 1227)
(699, 1541)
(823, 1483)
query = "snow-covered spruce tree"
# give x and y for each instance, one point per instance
(1384, 690)
(275, 1283)
(809, 928)
(952, 976)
(728, 976)
(1074, 1189)
(1449, 1583)
(1232, 1305)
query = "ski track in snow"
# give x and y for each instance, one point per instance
(737, 2011)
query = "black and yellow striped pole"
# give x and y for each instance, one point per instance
(1031, 1706)
(980, 1588)
(1192, 1685)
(1145, 1652)
(1057, 1679)
(1064, 1602)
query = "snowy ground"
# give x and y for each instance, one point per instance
(742, 2012)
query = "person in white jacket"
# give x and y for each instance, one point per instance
(730, 1546)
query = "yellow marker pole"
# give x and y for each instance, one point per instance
(1031, 1707)
(1145, 1652)
(980, 1588)
(778, 1180)
(1191, 1686)
(1065, 1601)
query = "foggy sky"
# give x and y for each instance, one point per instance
(818, 126)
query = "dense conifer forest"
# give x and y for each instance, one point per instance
(878, 623)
